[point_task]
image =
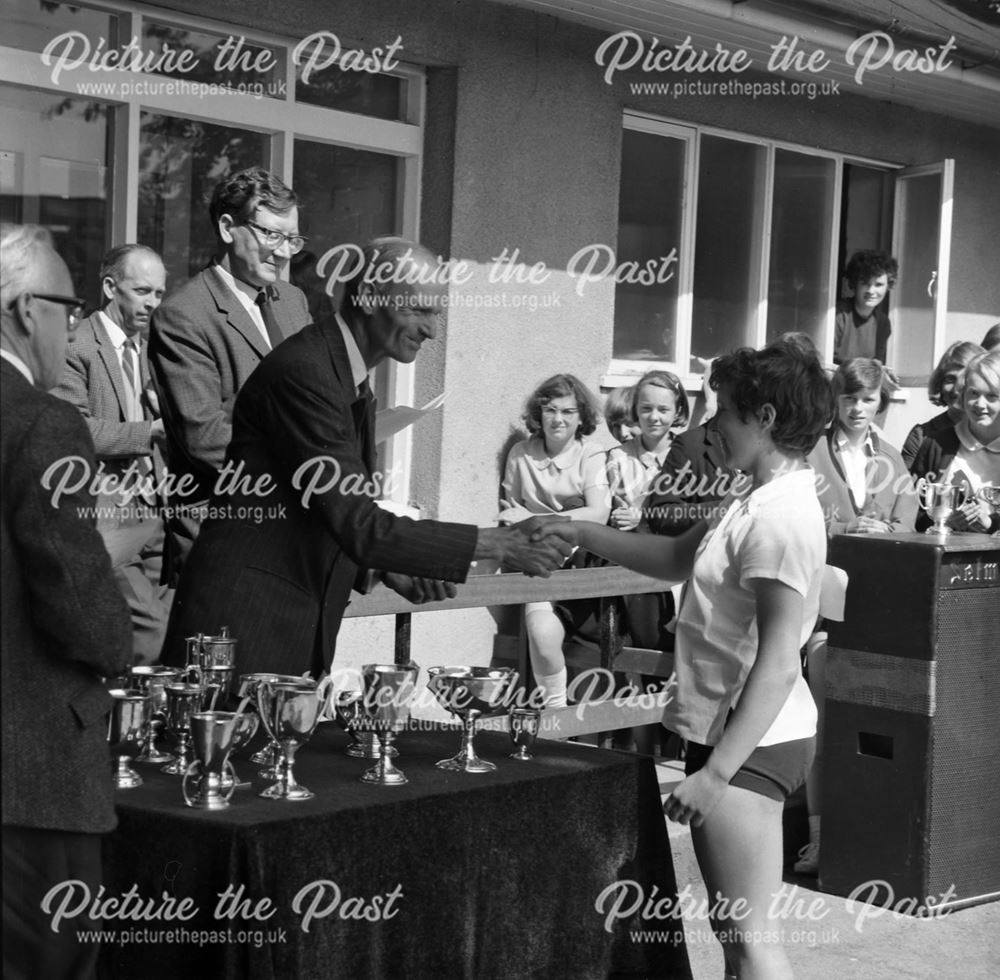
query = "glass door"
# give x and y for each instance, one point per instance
(921, 242)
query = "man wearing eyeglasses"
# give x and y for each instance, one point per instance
(107, 379)
(209, 336)
(64, 627)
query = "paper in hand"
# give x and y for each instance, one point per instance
(389, 421)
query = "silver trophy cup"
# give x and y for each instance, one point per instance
(470, 693)
(152, 680)
(183, 700)
(290, 712)
(940, 500)
(128, 725)
(212, 735)
(523, 730)
(384, 709)
(347, 714)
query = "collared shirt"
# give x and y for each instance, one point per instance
(359, 370)
(117, 336)
(19, 364)
(543, 484)
(776, 532)
(247, 296)
(980, 464)
(854, 459)
(631, 471)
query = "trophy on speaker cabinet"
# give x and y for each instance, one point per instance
(289, 711)
(128, 724)
(152, 680)
(940, 500)
(470, 693)
(384, 709)
(212, 734)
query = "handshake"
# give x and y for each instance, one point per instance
(536, 546)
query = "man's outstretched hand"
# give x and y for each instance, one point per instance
(515, 549)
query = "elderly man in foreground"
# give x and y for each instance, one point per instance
(64, 624)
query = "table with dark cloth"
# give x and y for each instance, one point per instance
(493, 875)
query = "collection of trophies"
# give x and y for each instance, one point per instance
(182, 702)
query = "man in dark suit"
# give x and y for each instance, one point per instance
(210, 335)
(64, 624)
(107, 380)
(278, 563)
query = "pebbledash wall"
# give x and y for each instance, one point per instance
(522, 152)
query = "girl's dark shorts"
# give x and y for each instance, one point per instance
(774, 771)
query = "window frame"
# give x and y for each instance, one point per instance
(282, 119)
(623, 371)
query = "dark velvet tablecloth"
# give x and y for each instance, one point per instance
(494, 875)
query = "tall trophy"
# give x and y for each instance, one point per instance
(215, 656)
(384, 709)
(183, 700)
(290, 711)
(940, 500)
(212, 735)
(470, 693)
(152, 680)
(128, 725)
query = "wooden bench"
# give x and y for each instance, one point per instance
(601, 716)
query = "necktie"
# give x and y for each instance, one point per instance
(265, 300)
(130, 368)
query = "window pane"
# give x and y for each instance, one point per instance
(320, 80)
(798, 288)
(348, 196)
(727, 255)
(918, 236)
(180, 162)
(30, 25)
(649, 229)
(220, 60)
(53, 172)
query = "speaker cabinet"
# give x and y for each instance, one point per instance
(911, 756)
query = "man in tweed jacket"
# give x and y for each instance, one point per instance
(277, 565)
(209, 336)
(107, 380)
(64, 625)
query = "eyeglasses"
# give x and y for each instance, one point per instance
(274, 239)
(74, 304)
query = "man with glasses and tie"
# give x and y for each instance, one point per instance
(107, 379)
(209, 336)
(65, 625)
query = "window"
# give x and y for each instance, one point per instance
(759, 231)
(106, 157)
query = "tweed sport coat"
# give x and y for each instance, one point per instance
(277, 572)
(203, 346)
(64, 624)
(93, 384)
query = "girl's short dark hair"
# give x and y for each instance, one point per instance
(865, 374)
(669, 381)
(787, 376)
(559, 386)
(954, 359)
